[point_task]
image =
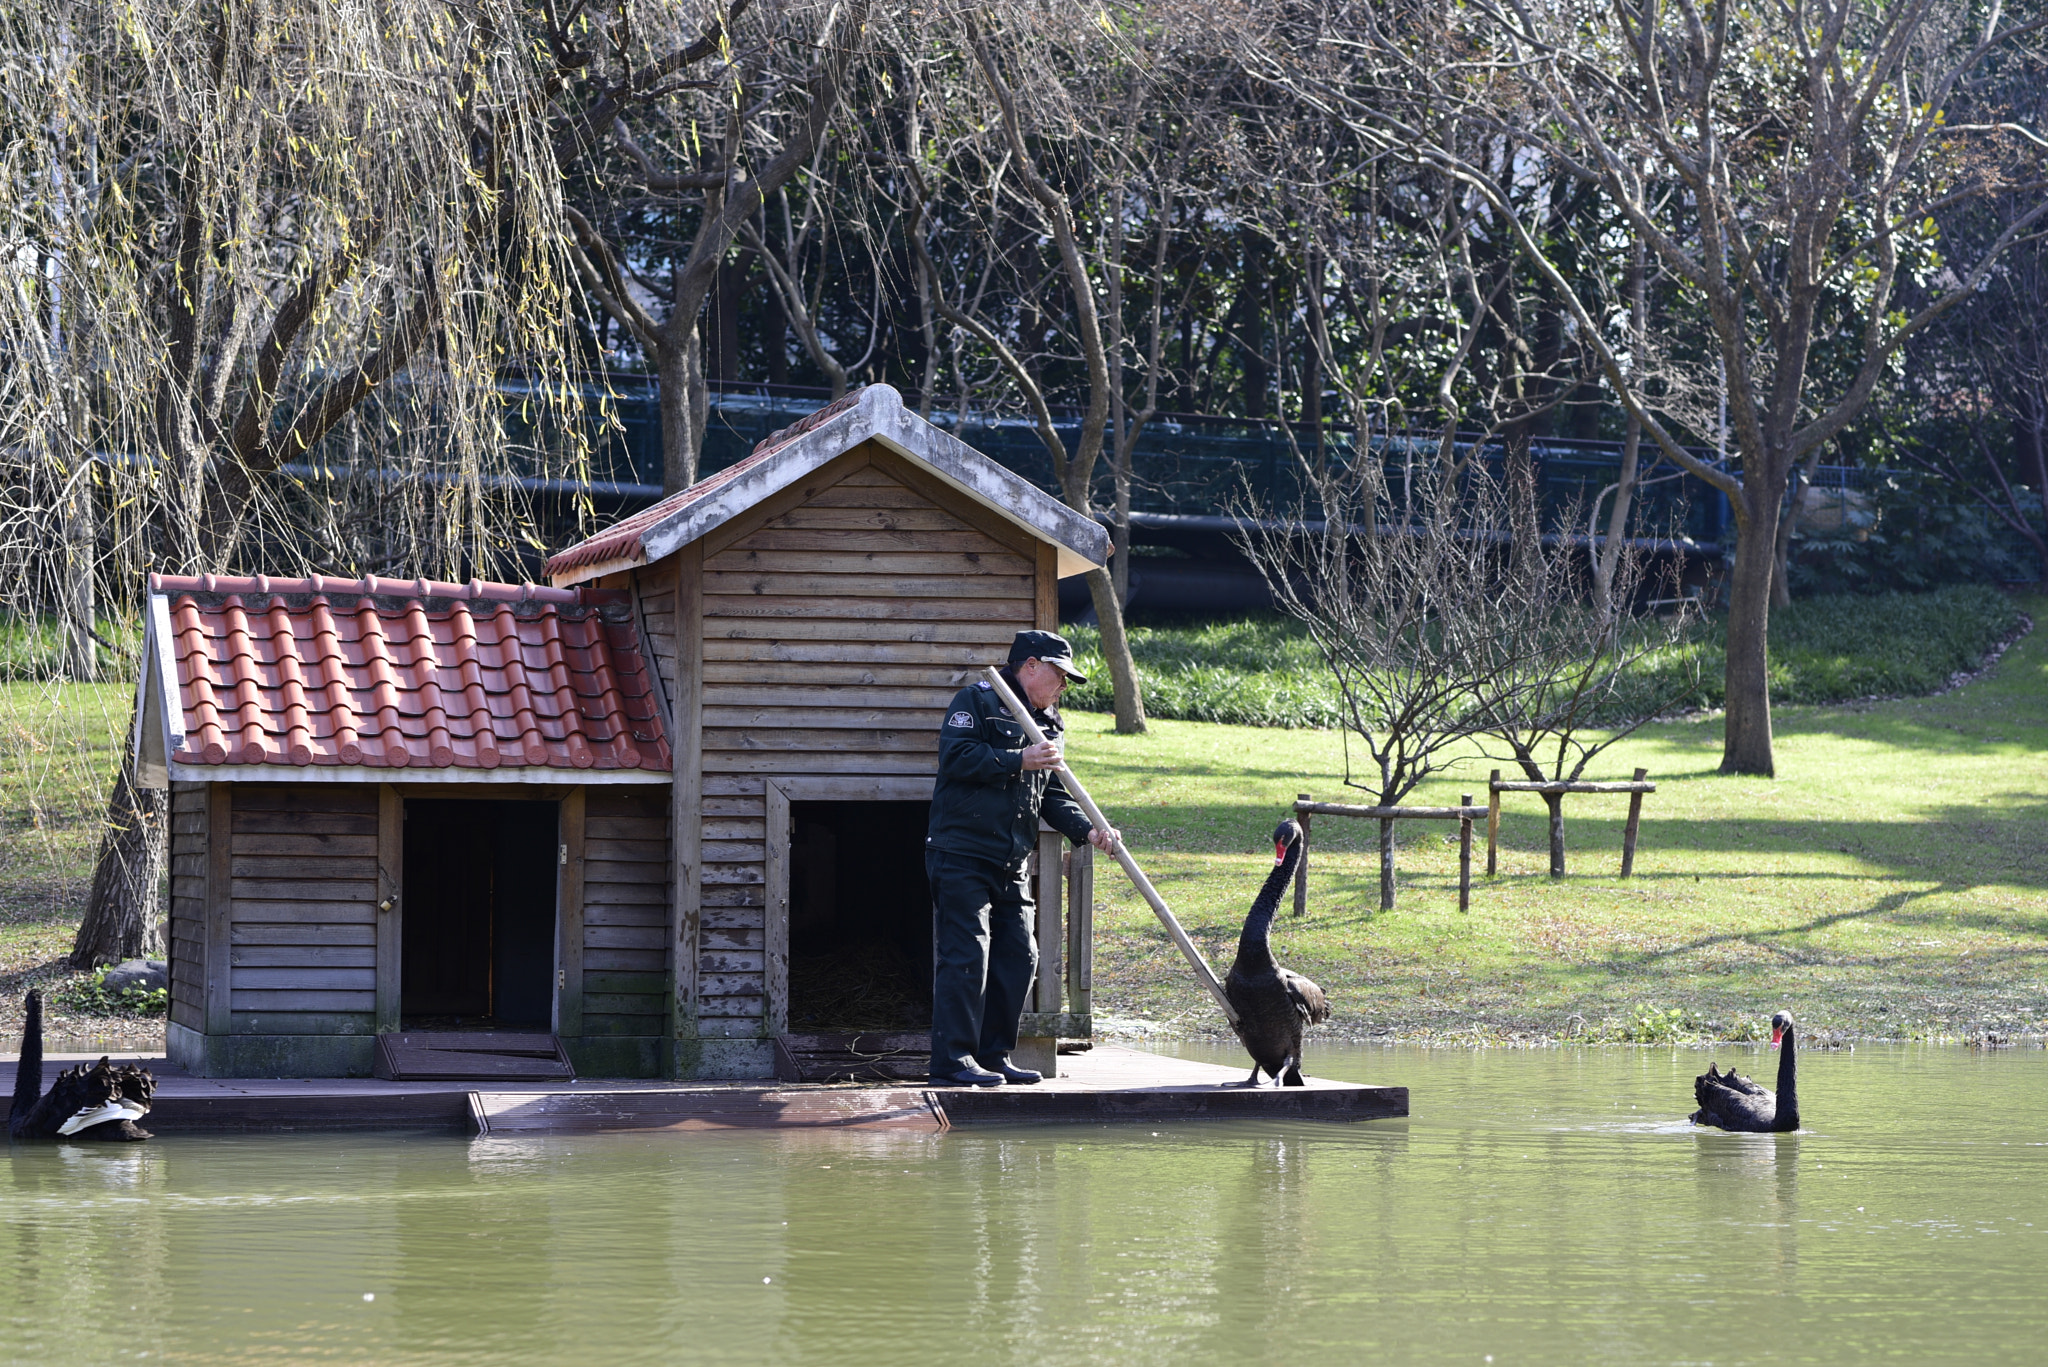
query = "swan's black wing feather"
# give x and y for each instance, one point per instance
(1730, 1108)
(81, 1089)
(1308, 999)
(1737, 1082)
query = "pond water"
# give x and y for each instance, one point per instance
(1539, 1207)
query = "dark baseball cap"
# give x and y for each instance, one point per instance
(1048, 646)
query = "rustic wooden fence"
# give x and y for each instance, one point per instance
(1306, 808)
(1635, 788)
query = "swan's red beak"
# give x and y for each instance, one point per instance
(1279, 852)
(1777, 1033)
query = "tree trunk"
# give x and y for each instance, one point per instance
(121, 920)
(2036, 450)
(1386, 864)
(684, 406)
(80, 602)
(1746, 733)
(1555, 802)
(1607, 557)
(1781, 560)
(1116, 650)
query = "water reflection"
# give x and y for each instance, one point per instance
(1540, 1207)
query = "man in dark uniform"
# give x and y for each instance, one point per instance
(992, 789)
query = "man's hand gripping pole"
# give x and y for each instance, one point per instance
(1123, 856)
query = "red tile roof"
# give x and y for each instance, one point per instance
(396, 674)
(622, 540)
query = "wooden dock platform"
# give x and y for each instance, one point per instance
(1105, 1084)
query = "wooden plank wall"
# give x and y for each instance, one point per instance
(303, 924)
(839, 619)
(654, 588)
(626, 893)
(188, 905)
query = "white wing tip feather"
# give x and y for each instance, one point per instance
(113, 1110)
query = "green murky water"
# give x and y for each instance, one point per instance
(1541, 1207)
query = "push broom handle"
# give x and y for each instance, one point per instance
(1123, 856)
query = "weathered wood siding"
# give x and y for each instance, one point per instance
(839, 618)
(654, 588)
(626, 895)
(303, 918)
(188, 905)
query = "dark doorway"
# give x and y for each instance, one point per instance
(860, 917)
(478, 948)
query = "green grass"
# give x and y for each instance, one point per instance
(1891, 881)
(1264, 670)
(33, 648)
(59, 747)
(1253, 671)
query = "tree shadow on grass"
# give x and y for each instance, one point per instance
(1999, 841)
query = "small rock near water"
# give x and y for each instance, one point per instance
(137, 975)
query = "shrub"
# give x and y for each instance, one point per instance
(1853, 646)
(88, 996)
(1263, 670)
(1248, 671)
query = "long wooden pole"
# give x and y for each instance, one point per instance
(1123, 856)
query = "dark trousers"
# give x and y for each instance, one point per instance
(983, 956)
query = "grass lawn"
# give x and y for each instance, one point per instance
(1892, 881)
(59, 747)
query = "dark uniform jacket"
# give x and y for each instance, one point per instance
(985, 803)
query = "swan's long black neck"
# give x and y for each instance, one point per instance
(28, 1074)
(1788, 1083)
(1252, 942)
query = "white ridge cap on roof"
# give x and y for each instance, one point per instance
(879, 414)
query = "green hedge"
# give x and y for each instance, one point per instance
(1856, 646)
(1264, 671)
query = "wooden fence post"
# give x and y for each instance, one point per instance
(1492, 822)
(1635, 821)
(1301, 870)
(1465, 855)
(1081, 930)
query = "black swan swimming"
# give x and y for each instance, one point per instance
(100, 1102)
(1274, 1004)
(1729, 1101)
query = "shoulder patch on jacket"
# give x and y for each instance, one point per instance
(983, 684)
(962, 720)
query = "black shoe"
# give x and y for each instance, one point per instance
(1012, 1073)
(971, 1076)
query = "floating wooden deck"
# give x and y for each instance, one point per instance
(1106, 1084)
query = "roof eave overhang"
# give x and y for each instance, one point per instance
(1082, 543)
(159, 729)
(526, 774)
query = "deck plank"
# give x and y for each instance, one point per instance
(1108, 1084)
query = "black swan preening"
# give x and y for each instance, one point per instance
(100, 1102)
(1731, 1102)
(1274, 1004)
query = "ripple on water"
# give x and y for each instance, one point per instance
(1540, 1206)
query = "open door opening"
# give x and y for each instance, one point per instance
(860, 917)
(478, 945)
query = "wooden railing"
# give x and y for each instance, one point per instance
(1062, 998)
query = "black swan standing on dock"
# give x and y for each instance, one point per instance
(1274, 1004)
(1732, 1102)
(100, 1102)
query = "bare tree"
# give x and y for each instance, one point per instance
(233, 230)
(695, 155)
(1978, 390)
(1023, 209)
(1404, 597)
(1807, 145)
(1567, 676)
